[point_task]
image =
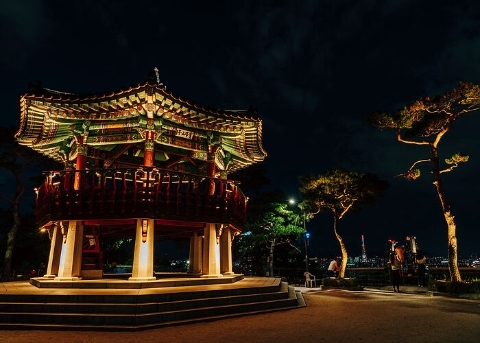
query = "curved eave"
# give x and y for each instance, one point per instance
(123, 105)
(48, 118)
(253, 143)
(248, 147)
(141, 94)
(31, 123)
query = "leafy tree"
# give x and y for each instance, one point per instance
(424, 123)
(15, 160)
(5, 226)
(117, 250)
(32, 247)
(340, 191)
(270, 223)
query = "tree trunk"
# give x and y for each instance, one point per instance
(449, 219)
(270, 258)
(12, 234)
(343, 265)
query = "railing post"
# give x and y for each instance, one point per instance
(178, 197)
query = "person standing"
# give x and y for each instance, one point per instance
(333, 268)
(400, 256)
(421, 267)
(395, 266)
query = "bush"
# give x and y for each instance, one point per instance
(340, 283)
(456, 287)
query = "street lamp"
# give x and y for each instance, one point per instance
(307, 234)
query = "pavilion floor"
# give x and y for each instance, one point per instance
(120, 281)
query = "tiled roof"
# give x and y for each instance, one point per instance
(50, 119)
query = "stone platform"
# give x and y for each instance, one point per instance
(119, 281)
(122, 305)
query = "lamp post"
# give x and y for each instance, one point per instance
(307, 234)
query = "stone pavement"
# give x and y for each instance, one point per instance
(408, 289)
(331, 315)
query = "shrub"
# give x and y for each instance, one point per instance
(457, 287)
(340, 283)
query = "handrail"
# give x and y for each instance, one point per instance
(138, 192)
(122, 170)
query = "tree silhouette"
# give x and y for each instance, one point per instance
(424, 123)
(340, 191)
(270, 223)
(15, 160)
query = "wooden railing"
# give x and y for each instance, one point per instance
(138, 193)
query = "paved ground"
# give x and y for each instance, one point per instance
(330, 316)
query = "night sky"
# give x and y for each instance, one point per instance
(314, 69)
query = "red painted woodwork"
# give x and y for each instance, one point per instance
(110, 196)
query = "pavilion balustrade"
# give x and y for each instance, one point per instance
(138, 193)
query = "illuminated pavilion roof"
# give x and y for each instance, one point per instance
(114, 126)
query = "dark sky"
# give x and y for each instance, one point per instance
(314, 69)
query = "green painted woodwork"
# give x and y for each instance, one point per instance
(114, 126)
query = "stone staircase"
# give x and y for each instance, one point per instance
(114, 311)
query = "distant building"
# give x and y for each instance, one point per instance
(364, 250)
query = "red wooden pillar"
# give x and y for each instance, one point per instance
(211, 173)
(68, 176)
(149, 154)
(82, 151)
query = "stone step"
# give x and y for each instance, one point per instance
(136, 299)
(154, 305)
(149, 310)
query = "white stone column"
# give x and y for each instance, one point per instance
(69, 258)
(211, 258)
(78, 251)
(196, 256)
(55, 251)
(191, 255)
(143, 254)
(226, 251)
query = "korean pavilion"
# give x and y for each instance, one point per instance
(139, 163)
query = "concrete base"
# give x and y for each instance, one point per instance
(152, 278)
(91, 274)
(70, 278)
(209, 276)
(119, 283)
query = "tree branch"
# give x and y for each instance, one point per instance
(449, 169)
(419, 161)
(400, 139)
(439, 136)
(346, 209)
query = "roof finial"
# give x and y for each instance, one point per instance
(157, 74)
